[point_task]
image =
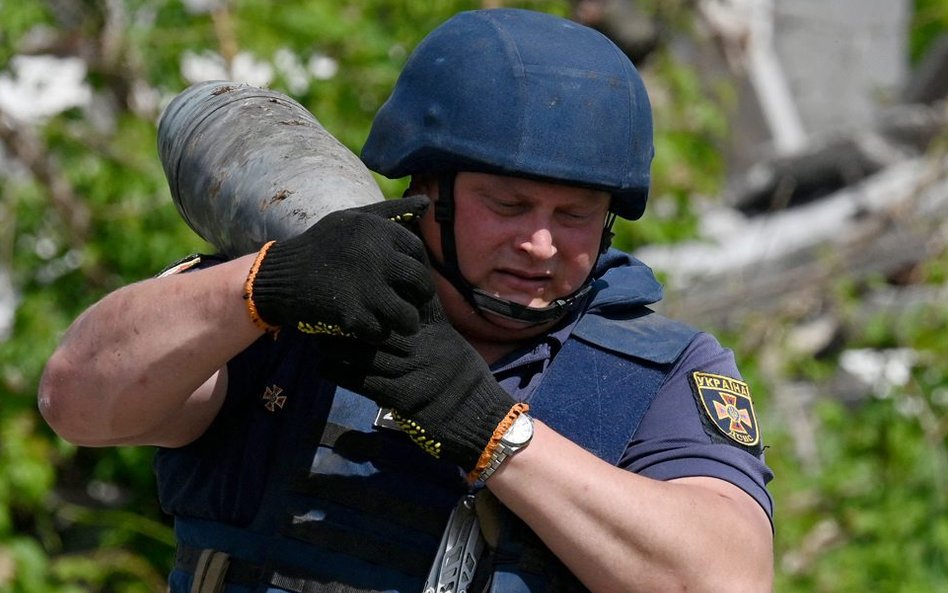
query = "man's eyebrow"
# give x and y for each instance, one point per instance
(489, 190)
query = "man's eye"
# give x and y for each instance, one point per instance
(577, 216)
(506, 206)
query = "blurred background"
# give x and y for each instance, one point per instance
(799, 211)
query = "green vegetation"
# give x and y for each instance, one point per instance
(862, 503)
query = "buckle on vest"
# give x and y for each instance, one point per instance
(210, 571)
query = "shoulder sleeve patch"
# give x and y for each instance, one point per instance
(726, 410)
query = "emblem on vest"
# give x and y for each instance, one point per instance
(273, 399)
(728, 409)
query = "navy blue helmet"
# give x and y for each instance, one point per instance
(522, 93)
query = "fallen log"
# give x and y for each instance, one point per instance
(791, 259)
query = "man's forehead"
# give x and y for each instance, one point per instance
(526, 188)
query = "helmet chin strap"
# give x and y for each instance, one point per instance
(484, 302)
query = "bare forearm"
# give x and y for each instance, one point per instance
(131, 362)
(620, 532)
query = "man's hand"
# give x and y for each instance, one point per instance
(441, 390)
(355, 272)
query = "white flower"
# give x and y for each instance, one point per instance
(39, 87)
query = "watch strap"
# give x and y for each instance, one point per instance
(484, 460)
(504, 451)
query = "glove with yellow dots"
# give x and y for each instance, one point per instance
(356, 272)
(439, 388)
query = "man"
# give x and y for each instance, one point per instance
(324, 424)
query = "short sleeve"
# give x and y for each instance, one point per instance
(685, 433)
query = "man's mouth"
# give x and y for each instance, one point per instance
(534, 283)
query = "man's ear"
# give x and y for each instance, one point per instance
(422, 183)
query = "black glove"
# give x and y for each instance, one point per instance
(355, 272)
(440, 389)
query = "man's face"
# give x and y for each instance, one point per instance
(525, 241)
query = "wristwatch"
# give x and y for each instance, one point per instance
(514, 440)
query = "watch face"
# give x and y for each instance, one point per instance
(520, 431)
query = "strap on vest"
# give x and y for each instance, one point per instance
(597, 398)
(213, 570)
(209, 572)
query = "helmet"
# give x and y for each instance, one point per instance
(520, 93)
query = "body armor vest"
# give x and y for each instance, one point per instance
(299, 477)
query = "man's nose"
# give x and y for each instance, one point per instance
(540, 244)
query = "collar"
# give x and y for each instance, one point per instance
(623, 281)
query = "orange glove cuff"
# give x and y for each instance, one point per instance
(248, 291)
